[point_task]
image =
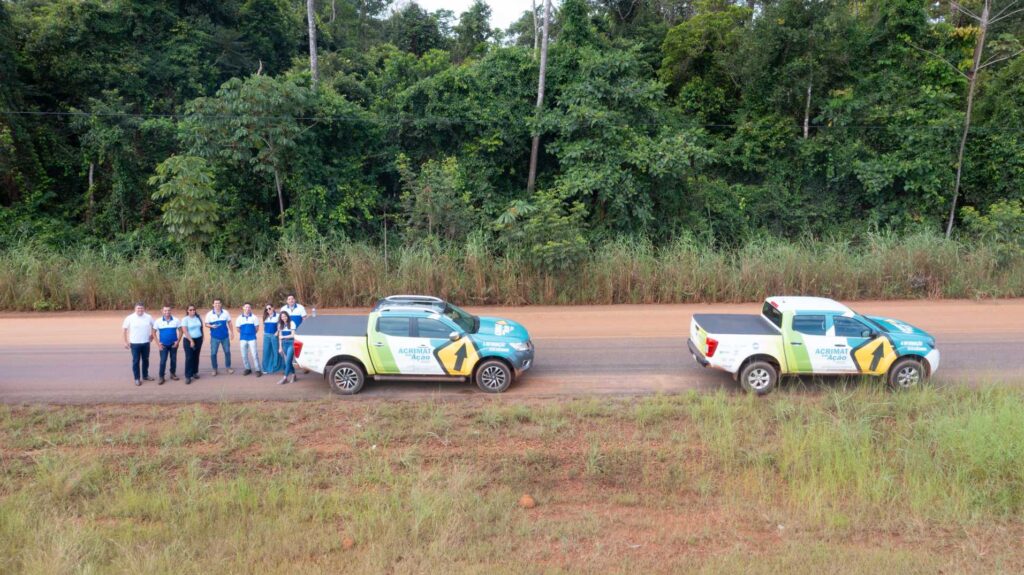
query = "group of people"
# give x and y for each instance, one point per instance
(169, 332)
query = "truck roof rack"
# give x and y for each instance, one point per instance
(401, 307)
(413, 299)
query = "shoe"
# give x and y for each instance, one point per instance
(283, 381)
(291, 378)
(196, 376)
(188, 381)
(231, 371)
(247, 372)
(138, 382)
(215, 373)
(259, 374)
(161, 382)
(174, 377)
(147, 378)
(305, 371)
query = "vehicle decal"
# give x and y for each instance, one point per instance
(383, 359)
(502, 328)
(457, 357)
(874, 356)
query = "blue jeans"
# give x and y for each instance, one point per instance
(167, 351)
(140, 354)
(215, 343)
(288, 349)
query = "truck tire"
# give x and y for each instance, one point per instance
(493, 376)
(759, 377)
(906, 373)
(346, 378)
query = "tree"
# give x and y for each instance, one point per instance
(473, 31)
(314, 68)
(186, 186)
(535, 145)
(254, 122)
(415, 30)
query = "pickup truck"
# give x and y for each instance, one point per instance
(811, 335)
(414, 338)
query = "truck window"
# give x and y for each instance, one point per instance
(849, 327)
(809, 324)
(773, 315)
(426, 327)
(394, 326)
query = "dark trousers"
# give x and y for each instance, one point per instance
(140, 354)
(168, 351)
(192, 356)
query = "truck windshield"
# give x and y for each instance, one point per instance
(463, 318)
(774, 315)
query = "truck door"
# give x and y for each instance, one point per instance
(807, 344)
(386, 335)
(451, 357)
(412, 352)
(854, 334)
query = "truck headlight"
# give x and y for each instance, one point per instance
(521, 345)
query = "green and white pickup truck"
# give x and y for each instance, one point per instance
(811, 335)
(412, 337)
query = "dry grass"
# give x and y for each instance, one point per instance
(858, 481)
(622, 271)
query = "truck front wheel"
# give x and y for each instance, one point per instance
(493, 376)
(346, 378)
(906, 373)
(759, 377)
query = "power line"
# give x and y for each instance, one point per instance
(409, 119)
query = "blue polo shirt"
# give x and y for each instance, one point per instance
(270, 325)
(167, 330)
(247, 325)
(219, 321)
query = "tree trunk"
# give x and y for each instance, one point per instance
(536, 37)
(972, 83)
(280, 194)
(807, 108)
(92, 193)
(334, 11)
(313, 64)
(535, 148)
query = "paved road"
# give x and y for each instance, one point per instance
(625, 349)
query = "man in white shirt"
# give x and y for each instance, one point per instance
(138, 333)
(296, 311)
(222, 331)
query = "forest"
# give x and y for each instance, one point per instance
(196, 130)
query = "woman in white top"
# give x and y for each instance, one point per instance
(286, 345)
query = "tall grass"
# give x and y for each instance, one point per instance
(619, 271)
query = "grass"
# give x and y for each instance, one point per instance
(620, 271)
(850, 480)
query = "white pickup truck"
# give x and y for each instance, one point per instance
(811, 335)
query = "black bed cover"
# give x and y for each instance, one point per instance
(735, 323)
(334, 325)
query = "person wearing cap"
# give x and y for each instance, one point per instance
(222, 331)
(248, 325)
(167, 331)
(137, 330)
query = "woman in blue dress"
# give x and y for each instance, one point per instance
(272, 362)
(286, 345)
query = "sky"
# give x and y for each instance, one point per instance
(503, 12)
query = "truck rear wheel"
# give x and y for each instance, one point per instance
(906, 373)
(493, 376)
(759, 377)
(346, 378)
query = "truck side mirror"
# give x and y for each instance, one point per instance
(455, 336)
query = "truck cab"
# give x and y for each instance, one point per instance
(809, 335)
(414, 338)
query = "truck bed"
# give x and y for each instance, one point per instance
(734, 323)
(334, 325)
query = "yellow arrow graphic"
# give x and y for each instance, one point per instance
(875, 356)
(458, 357)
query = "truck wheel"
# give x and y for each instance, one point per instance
(906, 373)
(759, 377)
(493, 376)
(346, 378)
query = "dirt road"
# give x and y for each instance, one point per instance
(627, 349)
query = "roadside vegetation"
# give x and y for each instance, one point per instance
(347, 273)
(841, 480)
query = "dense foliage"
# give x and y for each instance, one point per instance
(195, 124)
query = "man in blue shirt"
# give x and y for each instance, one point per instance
(167, 330)
(248, 324)
(222, 331)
